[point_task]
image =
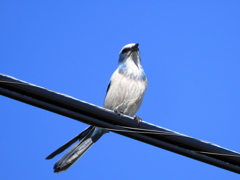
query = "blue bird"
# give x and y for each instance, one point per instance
(124, 95)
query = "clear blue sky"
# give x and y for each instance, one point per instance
(190, 52)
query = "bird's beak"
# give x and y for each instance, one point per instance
(135, 47)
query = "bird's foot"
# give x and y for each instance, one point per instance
(119, 113)
(138, 119)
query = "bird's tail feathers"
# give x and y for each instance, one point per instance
(69, 143)
(91, 136)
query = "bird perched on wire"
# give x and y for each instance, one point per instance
(124, 95)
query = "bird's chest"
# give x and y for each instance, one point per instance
(130, 84)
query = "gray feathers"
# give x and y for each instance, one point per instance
(128, 83)
(125, 94)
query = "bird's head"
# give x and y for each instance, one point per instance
(130, 52)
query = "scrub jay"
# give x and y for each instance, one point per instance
(124, 95)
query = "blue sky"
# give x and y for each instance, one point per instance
(190, 53)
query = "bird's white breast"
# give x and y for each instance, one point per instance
(126, 91)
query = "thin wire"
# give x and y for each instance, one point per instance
(31, 85)
(218, 154)
(139, 130)
(142, 131)
(27, 84)
(147, 131)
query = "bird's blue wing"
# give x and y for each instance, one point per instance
(108, 87)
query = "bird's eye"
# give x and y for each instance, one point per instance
(125, 50)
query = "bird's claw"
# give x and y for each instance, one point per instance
(138, 119)
(119, 113)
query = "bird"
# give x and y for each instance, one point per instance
(124, 95)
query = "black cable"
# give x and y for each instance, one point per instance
(97, 116)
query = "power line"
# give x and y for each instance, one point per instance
(124, 125)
